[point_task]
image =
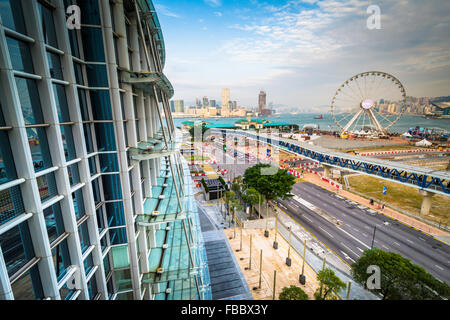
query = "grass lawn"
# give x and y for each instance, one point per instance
(403, 197)
(196, 158)
(383, 148)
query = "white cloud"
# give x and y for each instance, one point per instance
(213, 3)
(218, 14)
(166, 11)
(300, 54)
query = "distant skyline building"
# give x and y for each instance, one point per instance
(212, 103)
(234, 105)
(261, 101)
(205, 103)
(225, 98)
(178, 106)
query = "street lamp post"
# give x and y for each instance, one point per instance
(288, 259)
(275, 243)
(266, 232)
(373, 238)
(302, 278)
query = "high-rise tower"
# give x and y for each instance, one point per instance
(225, 99)
(261, 102)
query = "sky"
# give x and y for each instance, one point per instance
(301, 51)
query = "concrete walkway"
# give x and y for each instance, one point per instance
(227, 281)
(272, 260)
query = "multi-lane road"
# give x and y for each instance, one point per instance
(317, 210)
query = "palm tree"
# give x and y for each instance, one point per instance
(253, 197)
(228, 198)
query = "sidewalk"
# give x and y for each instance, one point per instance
(272, 260)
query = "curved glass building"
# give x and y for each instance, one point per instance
(95, 200)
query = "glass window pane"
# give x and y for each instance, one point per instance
(101, 105)
(88, 138)
(29, 101)
(78, 203)
(92, 287)
(105, 135)
(114, 214)
(84, 236)
(96, 191)
(111, 187)
(61, 259)
(28, 286)
(108, 162)
(78, 73)
(61, 103)
(83, 105)
(47, 186)
(74, 43)
(11, 204)
(7, 166)
(88, 263)
(100, 219)
(94, 50)
(97, 75)
(40, 152)
(12, 15)
(54, 63)
(16, 247)
(48, 25)
(20, 55)
(74, 174)
(54, 222)
(68, 143)
(92, 166)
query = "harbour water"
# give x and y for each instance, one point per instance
(327, 123)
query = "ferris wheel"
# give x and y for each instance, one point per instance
(368, 103)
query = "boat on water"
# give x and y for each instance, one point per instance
(319, 117)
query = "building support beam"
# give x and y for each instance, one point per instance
(327, 171)
(426, 202)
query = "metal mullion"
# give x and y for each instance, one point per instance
(30, 264)
(58, 240)
(191, 258)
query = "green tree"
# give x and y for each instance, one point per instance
(400, 278)
(293, 293)
(271, 186)
(228, 198)
(192, 131)
(329, 282)
(238, 185)
(253, 197)
(235, 204)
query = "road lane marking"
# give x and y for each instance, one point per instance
(354, 238)
(396, 243)
(439, 267)
(422, 239)
(385, 246)
(346, 256)
(326, 232)
(307, 218)
(349, 249)
(360, 249)
(409, 241)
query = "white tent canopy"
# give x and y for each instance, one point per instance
(423, 143)
(407, 134)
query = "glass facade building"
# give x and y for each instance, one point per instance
(95, 200)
